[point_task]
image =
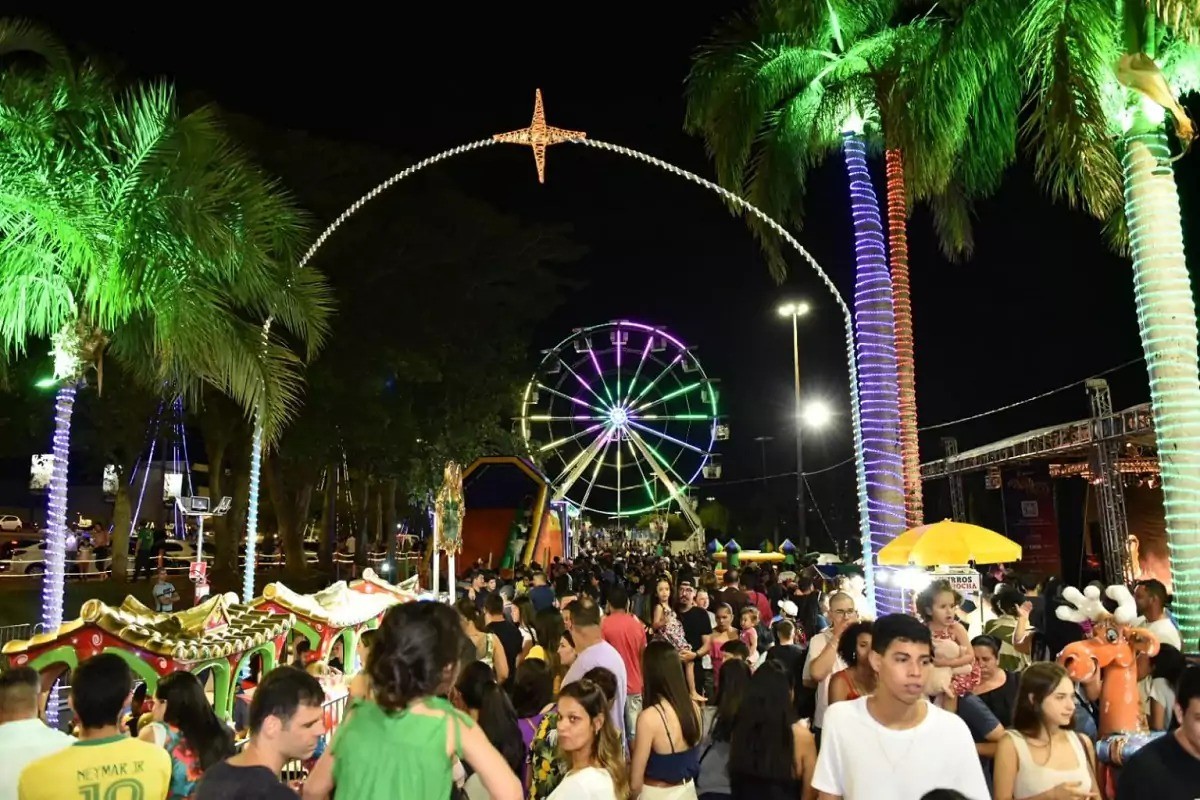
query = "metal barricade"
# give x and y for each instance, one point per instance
(10, 632)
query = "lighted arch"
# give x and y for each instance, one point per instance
(730, 198)
(267, 651)
(349, 638)
(222, 683)
(139, 667)
(63, 654)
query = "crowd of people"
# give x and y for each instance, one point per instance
(638, 676)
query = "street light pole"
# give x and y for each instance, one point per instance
(800, 521)
(795, 311)
(762, 446)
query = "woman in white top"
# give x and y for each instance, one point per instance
(591, 746)
(1041, 756)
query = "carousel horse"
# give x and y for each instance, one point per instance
(1113, 650)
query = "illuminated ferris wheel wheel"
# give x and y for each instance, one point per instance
(624, 419)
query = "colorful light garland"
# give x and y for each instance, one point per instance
(897, 212)
(1167, 324)
(56, 523)
(874, 322)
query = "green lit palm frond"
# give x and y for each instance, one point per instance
(957, 97)
(1181, 16)
(1180, 60)
(772, 91)
(25, 36)
(953, 221)
(1068, 49)
(157, 228)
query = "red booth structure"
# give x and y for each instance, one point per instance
(219, 635)
(336, 611)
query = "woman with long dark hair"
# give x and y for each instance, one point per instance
(548, 628)
(185, 725)
(666, 758)
(589, 743)
(857, 679)
(523, 616)
(771, 754)
(478, 694)
(713, 781)
(404, 736)
(1041, 753)
(488, 648)
(533, 700)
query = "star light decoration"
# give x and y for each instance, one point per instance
(539, 136)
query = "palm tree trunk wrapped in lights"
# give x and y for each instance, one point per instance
(1126, 66)
(1167, 324)
(875, 326)
(897, 213)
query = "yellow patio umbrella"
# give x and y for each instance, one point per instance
(949, 542)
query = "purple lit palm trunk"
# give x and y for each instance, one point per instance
(875, 351)
(56, 523)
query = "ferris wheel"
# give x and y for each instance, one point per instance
(624, 419)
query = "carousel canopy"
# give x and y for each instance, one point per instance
(217, 628)
(336, 605)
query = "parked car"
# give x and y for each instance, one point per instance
(8, 522)
(30, 559)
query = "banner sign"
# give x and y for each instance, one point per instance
(1030, 518)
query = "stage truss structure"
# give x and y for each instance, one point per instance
(624, 419)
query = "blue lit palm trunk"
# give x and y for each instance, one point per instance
(1167, 324)
(875, 350)
(56, 524)
(252, 510)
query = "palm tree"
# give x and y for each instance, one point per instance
(134, 232)
(1103, 77)
(773, 96)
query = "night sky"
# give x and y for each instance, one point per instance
(1042, 304)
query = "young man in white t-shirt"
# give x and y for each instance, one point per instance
(894, 744)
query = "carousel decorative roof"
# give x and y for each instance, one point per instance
(406, 591)
(217, 628)
(336, 605)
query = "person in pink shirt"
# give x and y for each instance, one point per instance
(627, 634)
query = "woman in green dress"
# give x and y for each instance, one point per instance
(402, 742)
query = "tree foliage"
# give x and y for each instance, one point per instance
(438, 296)
(151, 231)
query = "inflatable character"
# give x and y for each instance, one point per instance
(1112, 649)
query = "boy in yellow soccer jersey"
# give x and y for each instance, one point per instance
(105, 764)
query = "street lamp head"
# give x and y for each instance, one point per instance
(816, 414)
(793, 309)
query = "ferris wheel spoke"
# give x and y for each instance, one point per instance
(582, 382)
(618, 457)
(665, 371)
(569, 398)
(646, 482)
(575, 467)
(575, 418)
(669, 396)
(638, 371)
(676, 417)
(595, 472)
(669, 438)
(657, 464)
(557, 443)
(600, 374)
(652, 456)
